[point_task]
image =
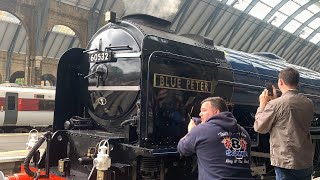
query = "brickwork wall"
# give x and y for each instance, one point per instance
(49, 66)
(27, 11)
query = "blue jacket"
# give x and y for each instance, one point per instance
(222, 148)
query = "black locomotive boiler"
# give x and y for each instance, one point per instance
(123, 103)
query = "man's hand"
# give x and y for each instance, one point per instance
(264, 98)
(191, 125)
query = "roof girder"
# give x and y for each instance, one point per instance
(184, 16)
(298, 11)
(306, 23)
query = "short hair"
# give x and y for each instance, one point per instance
(290, 76)
(217, 102)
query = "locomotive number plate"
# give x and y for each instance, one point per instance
(100, 56)
(181, 83)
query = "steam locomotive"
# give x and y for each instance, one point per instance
(123, 103)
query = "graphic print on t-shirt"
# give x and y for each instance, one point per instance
(236, 147)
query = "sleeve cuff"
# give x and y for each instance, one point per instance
(260, 109)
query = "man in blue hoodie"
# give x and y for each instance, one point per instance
(222, 146)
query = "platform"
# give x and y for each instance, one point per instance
(13, 152)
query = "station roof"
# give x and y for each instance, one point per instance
(299, 17)
(288, 28)
(13, 37)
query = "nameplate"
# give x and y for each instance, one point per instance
(181, 83)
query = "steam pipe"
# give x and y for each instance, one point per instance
(47, 162)
(29, 156)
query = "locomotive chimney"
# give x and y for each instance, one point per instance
(157, 13)
(158, 8)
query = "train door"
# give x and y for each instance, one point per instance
(11, 109)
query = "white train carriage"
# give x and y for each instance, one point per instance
(24, 108)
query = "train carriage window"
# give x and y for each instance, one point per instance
(39, 96)
(46, 105)
(11, 102)
(29, 104)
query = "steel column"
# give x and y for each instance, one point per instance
(10, 52)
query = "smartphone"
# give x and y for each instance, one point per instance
(269, 88)
(196, 120)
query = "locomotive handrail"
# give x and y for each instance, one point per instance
(248, 72)
(310, 85)
(240, 84)
(114, 88)
(127, 55)
(310, 95)
(90, 50)
(118, 48)
(257, 87)
(182, 58)
(263, 75)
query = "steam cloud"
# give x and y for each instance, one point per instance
(164, 9)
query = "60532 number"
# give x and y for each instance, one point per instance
(101, 56)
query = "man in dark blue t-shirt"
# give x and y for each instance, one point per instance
(222, 146)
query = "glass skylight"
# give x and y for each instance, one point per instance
(315, 38)
(305, 32)
(63, 29)
(305, 14)
(271, 3)
(260, 10)
(289, 9)
(315, 23)
(292, 26)
(314, 8)
(242, 4)
(8, 17)
(279, 18)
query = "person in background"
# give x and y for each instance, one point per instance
(287, 119)
(222, 146)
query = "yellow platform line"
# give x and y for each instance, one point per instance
(17, 155)
(13, 134)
